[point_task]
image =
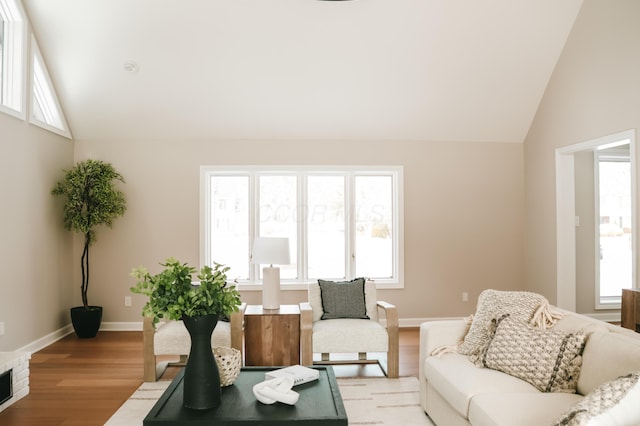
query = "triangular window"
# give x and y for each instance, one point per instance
(45, 108)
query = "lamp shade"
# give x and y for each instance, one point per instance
(267, 250)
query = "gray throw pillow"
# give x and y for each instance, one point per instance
(611, 403)
(343, 299)
(548, 359)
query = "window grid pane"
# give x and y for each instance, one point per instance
(616, 262)
(230, 224)
(278, 215)
(374, 226)
(326, 227)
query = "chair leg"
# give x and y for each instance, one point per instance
(306, 334)
(393, 361)
(149, 369)
(148, 355)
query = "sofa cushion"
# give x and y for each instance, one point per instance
(572, 321)
(521, 409)
(348, 335)
(612, 403)
(607, 356)
(522, 306)
(458, 380)
(344, 299)
(548, 359)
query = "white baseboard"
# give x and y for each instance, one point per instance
(607, 317)
(415, 322)
(45, 341)
(121, 326)
(137, 326)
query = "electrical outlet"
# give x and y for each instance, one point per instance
(1, 328)
(465, 296)
(127, 301)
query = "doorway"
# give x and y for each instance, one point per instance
(566, 219)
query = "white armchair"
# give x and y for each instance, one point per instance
(172, 338)
(349, 335)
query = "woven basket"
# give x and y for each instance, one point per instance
(229, 361)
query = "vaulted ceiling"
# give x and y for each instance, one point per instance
(449, 70)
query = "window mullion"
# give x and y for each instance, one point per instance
(254, 222)
(350, 225)
(303, 216)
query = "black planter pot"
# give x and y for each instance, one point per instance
(86, 321)
(201, 376)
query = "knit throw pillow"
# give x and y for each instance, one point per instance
(524, 307)
(344, 299)
(612, 403)
(548, 359)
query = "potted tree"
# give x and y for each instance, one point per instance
(91, 199)
(173, 295)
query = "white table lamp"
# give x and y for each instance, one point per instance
(270, 251)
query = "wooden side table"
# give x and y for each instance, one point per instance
(272, 336)
(630, 312)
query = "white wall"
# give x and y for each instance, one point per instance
(593, 92)
(463, 214)
(35, 252)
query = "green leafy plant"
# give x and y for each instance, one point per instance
(91, 199)
(173, 296)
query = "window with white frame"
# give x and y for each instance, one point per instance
(342, 223)
(12, 42)
(45, 108)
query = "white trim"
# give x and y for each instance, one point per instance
(44, 95)
(46, 340)
(121, 326)
(301, 172)
(565, 214)
(53, 337)
(14, 59)
(606, 316)
(402, 323)
(416, 322)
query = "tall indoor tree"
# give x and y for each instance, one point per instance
(92, 198)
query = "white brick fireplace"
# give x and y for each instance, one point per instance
(13, 385)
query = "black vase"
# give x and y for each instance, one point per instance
(201, 376)
(86, 321)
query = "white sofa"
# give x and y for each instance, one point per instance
(454, 391)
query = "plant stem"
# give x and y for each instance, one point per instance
(84, 264)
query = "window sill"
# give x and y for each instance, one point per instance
(291, 286)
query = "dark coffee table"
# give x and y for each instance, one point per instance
(320, 403)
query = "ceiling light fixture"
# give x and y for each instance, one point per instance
(131, 67)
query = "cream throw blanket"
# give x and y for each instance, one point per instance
(522, 306)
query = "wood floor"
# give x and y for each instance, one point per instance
(82, 382)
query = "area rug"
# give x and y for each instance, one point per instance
(368, 401)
